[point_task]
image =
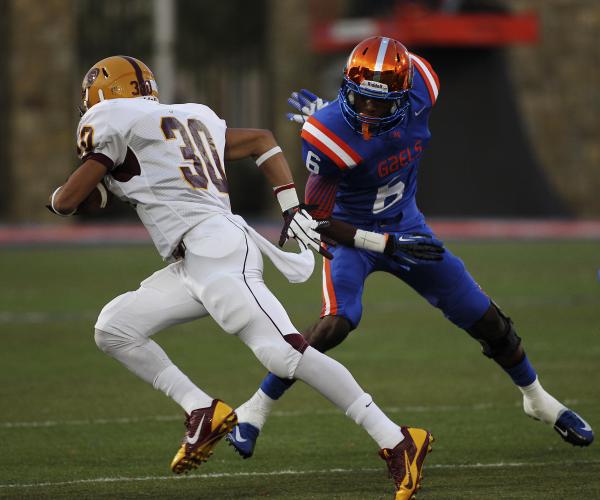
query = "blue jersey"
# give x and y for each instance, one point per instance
(376, 178)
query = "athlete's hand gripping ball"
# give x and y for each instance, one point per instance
(412, 248)
(298, 224)
(306, 103)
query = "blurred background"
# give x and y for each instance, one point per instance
(514, 156)
(515, 131)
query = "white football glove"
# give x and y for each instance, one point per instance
(298, 224)
(306, 103)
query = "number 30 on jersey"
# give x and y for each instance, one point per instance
(197, 144)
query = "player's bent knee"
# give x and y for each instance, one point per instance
(495, 332)
(328, 333)
(279, 358)
(115, 316)
(228, 301)
(297, 341)
(109, 342)
(119, 323)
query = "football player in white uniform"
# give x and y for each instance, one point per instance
(167, 161)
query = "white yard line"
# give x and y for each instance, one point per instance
(286, 472)
(277, 414)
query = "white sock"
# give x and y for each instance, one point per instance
(330, 378)
(337, 384)
(367, 414)
(540, 405)
(175, 384)
(256, 410)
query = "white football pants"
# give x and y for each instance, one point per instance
(221, 275)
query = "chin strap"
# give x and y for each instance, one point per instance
(365, 131)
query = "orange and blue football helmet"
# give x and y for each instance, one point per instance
(378, 69)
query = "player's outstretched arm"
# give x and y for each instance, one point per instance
(66, 198)
(261, 145)
(320, 197)
(404, 248)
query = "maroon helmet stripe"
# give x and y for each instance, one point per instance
(138, 73)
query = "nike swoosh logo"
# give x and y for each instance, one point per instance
(564, 433)
(238, 436)
(409, 485)
(417, 113)
(194, 438)
(587, 426)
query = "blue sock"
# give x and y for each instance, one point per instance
(522, 374)
(274, 387)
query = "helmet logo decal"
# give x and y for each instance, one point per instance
(375, 86)
(91, 76)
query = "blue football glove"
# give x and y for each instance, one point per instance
(413, 248)
(306, 103)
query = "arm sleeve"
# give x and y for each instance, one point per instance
(100, 137)
(322, 183)
(320, 192)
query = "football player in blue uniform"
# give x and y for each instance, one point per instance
(363, 152)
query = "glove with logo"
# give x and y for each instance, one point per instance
(412, 248)
(298, 224)
(306, 103)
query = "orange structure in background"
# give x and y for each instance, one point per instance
(418, 26)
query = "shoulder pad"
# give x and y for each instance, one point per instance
(330, 144)
(102, 130)
(428, 75)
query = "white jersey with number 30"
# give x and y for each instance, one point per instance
(166, 160)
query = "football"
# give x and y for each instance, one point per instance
(96, 201)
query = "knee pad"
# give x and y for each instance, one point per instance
(495, 332)
(120, 325)
(229, 302)
(114, 316)
(279, 358)
(109, 342)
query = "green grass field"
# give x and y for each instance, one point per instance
(75, 424)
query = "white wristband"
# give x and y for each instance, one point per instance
(286, 196)
(265, 156)
(52, 204)
(368, 240)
